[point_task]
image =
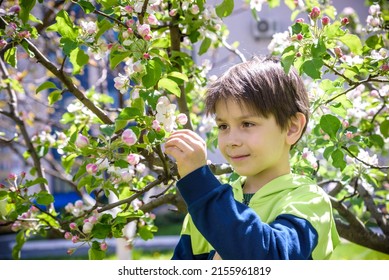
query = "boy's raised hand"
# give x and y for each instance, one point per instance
(188, 149)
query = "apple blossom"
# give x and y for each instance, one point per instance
(103, 246)
(10, 29)
(166, 114)
(256, 5)
(299, 20)
(129, 137)
(325, 20)
(344, 21)
(75, 239)
(14, 9)
(133, 159)
(68, 235)
(3, 43)
(374, 9)
(87, 227)
(182, 118)
(315, 13)
(91, 168)
(156, 125)
(70, 251)
(79, 204)
(122, 83)
(81, 141)
(152, 20)
(172, 12)
(140, 168)
(73, 226)
(194, 9)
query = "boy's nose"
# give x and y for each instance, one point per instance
(234, 139)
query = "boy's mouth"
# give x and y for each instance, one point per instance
(238, 157)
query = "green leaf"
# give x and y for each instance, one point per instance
(178, 75)
(38, 180)
(78, 58)
(384, 128)
(115, 57)
(338, 159)
(86, 6)
(107, 129)
(44, 198)
(154, 71)
(101, 230)
(145, 233)
(10, 57)
(68, 45)
(95, 253)
(330, 125)
(375, 42)
(225, 8)
(120, 124)
(170, 86)
(287, 58)
(45, 85)
(26, 47)
(312, 68)
(20, 240)
(377, 140)
(103, 26)
(25, 8)
(205, 46)
(64, 26)
(353, 42)
(54, 96)
(129, 113)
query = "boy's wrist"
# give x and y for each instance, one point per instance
(197, 184)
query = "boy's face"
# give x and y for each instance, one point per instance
(255, 146)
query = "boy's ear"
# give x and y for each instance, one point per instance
(296, 127)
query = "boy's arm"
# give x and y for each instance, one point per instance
(235, 230)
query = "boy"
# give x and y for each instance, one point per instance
(268, 213)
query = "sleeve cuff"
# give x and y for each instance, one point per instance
(197, 184)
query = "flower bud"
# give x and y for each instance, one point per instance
(182, 119)
(91, 168)
(81, 141)
(87, 227)
(156, 125)
(70, 251)
(75, 239)
(103, 246)
(172, 12)
(338, 52)
(129, 137)
(68, 235)
(344, 21)
(133, 159)
(73, 226)
(300, 36)
(315, 13)
(325, 20)
(300, 20)
(3, 43)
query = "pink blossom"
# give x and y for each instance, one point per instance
(146, 56)
(344, 21)
(75, 239)
(129, 9)
(81, 141)
(349, 134)
(133, 159)
(300, 36)
(73, 226)
(91, 168)
(10, 29)
(194, 9)
(70, 251)
(182, 119)
(315, 13)
(156, 125)
(68, 235)
(12, 176)
(151, 19)
(3, 43)
(103, 246)
(14, 9)
(300, 20)
(338, 52)
(345, 123)
(144, 29)
(129, 137)
(172, 12)
(79, 204)
(325, 20)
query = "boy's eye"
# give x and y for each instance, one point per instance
(222, 127)
(248, 124)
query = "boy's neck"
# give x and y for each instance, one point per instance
(254, 183)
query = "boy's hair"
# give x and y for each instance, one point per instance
(261, 85)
